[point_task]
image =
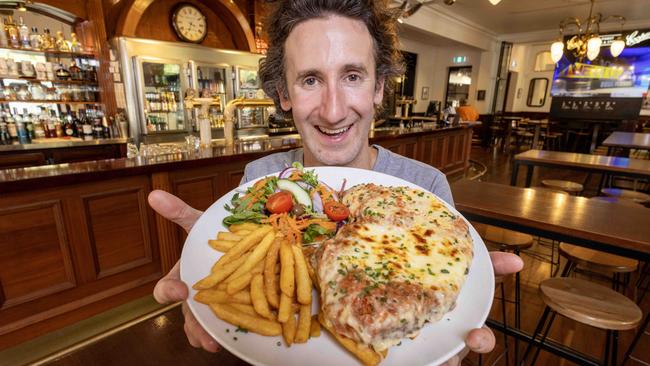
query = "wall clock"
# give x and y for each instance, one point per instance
(189, 23)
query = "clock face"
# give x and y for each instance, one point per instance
(189, 23)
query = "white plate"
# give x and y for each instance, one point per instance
(436, 343)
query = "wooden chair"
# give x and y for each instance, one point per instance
(587, 303)
(563, 185)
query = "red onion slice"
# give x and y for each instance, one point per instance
(317, 203)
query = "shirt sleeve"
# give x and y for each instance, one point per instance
(440, 188)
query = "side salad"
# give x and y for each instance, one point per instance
(295, 202)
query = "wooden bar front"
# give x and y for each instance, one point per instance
(79, 239)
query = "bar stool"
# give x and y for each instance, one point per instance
(587, 303)
(616, 200)
(509, 241)
(594, 260)
(563, 185)
(638, 197)
(499, 282)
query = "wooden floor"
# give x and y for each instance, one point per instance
(161, 341)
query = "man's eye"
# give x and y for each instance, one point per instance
(310, 81)
(354, 77)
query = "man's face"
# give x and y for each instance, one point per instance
(332, 91)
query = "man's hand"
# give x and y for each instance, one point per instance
(170, 288)
(482, 340)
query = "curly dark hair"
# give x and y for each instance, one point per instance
(375, 14)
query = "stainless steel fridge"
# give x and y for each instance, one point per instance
(157, 76)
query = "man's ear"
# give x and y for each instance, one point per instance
(379, 91)
(285, 102)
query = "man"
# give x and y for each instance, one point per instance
(467, 112)
(327, 65)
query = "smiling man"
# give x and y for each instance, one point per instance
(328, 66)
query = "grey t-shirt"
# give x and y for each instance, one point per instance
(387, 162)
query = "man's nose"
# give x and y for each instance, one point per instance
(332, 109)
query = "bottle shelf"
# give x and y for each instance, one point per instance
(47, 102)
(26, 78)
(51, 52)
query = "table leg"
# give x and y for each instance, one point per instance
(536, 136)
(594, 139)
(529, 175)
(515, 173)
(609, 151)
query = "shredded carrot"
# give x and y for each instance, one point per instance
(286, 225)
(295, 176)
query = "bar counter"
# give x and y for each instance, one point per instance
(80, 238)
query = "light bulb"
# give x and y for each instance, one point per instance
(617, 47)
(494, 2)
(557, 49)
(593, 47)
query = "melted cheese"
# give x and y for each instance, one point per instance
(398, 238)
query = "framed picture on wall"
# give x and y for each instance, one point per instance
(480, 95)
(425, 93)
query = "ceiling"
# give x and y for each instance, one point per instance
(519, 16)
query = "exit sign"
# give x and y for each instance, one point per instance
(460, 59)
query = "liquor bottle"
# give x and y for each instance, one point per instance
(39, 127)
(4, 41)
(12, 32)
(23, 133)
(5, 139)
(23, 33)
(44, 120)
(86, 127)
(68, 124)
(11, 126)
(75, 72)
(61, 44)
(98, 129)
(46, 40)
(35, 39)
(75, 46)
(29, 125)
(58, 126)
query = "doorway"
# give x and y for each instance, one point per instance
(459, 80)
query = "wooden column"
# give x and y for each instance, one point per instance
(170, 248)
(105, 78)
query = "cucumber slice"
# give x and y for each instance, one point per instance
(298, 193)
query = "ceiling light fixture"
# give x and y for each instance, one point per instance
(495, 2)
(587, 42)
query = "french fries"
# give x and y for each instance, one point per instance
(304, 324)
(271, 287)
(252, 323)
(258, 298)
(259, 271)
(303, 282)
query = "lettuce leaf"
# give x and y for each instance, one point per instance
(313, 231)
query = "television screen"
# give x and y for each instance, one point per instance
(605, 88)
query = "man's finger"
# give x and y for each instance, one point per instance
(480, 340)
(506, 263)
(197, 336)
(170, 288)
(174, 209)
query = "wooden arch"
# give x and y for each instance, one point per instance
(233, 18)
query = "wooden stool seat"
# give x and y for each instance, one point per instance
(563, 185)
(627, 194)
(598, 260)
(506, 239)
(616, 200)
(590, 303)
(550, 190)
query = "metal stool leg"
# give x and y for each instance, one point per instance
(608, 342)
(538, 329)
(505, 325)
(517, 308)
(614, 348)
(541, 341)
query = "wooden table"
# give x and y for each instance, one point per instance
(627, 140)
(618, 229)
(634, 168)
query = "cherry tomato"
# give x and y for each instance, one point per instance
(279, 202)
(336, 211)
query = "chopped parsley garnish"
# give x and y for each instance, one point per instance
(444, 270)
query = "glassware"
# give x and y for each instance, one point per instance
(75, 91)
(64, 93)
(51, 94)
(38, 93)
(23, 93)
(23, 33)
(12, 32)
(61, 44)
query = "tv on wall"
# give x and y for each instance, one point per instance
(608, 87)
